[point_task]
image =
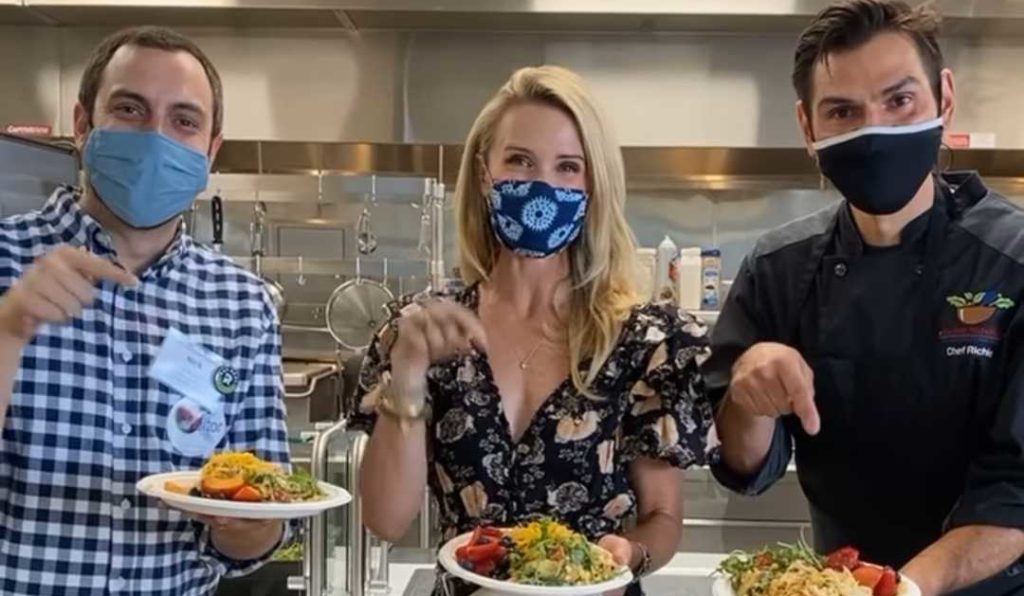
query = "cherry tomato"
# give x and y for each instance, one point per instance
(221, 487)
(844, 558)
(484, 552)
(868, 575)
(486, 568)
(247, 493)
(888, 583)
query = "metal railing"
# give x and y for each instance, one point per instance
(367, 558)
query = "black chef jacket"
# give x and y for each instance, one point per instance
(918, 359)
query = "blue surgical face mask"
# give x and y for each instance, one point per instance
(145, 178)
(534, 219)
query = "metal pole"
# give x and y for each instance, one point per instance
(315, 562)
(426, 519)
(437, 272)
(357, 550)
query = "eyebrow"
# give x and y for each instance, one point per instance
(122, 94)
(527, 151)
(899, 86)
(186, 106)
(906, 82)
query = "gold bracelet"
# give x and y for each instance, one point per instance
(404, 414)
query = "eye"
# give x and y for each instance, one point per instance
(130, 110)
(518, 159)
(840, 113)
(187, 123)
(570, 167)
(902, 100)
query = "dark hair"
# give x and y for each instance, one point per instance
(158, 38)
(850, 24)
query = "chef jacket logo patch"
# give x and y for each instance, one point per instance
(975, 332)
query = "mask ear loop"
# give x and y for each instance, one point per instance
(486, 170)
(487, 201)
(939, 167)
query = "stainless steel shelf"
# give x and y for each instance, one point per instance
(975, 18)
(338, 173)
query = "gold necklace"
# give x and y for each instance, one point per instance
(524, 363)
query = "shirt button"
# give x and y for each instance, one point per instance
(126, 428)
(117, 584)
(919, 270)
(523, 449)
(126, 356)
(126, 504)
(840, 269)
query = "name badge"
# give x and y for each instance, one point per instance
(193, 371)
(194, 431)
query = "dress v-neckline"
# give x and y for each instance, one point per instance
(491, 384)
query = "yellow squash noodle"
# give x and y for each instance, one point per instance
(802, 579)
(231, 464)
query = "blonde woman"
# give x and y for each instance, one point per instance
(545, 388)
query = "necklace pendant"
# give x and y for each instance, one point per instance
(522, 365)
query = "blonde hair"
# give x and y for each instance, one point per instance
(602, 260)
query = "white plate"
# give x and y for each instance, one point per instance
(493, 586)
(153, 486)
(721, 587)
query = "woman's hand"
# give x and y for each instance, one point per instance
(621, 550)
(430, 333)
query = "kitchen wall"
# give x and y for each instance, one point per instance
(727, 90)
(29, 172)
(696, 90)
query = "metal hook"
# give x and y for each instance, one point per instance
(423, 246)
(301, 280)
(257, 229)
(365, 238)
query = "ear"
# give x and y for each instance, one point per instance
(805, 127)
(82, 126)
(948, 107)
(215, 146)
(483, 175)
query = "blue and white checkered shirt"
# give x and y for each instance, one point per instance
(86, 422)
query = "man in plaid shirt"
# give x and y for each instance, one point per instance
(92, 285)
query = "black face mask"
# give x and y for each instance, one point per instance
(879, 169)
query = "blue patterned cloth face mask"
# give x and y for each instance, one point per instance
(534, 219)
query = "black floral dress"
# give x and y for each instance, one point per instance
(572, 460)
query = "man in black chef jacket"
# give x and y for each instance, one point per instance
(883, 337)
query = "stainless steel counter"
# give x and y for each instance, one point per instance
(412, 574)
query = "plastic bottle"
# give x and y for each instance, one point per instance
(690, 273)
(646, 265)
(712, 270)
(663, 286)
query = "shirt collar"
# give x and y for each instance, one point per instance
(964, 188)
(912, 237)
(77, 228)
